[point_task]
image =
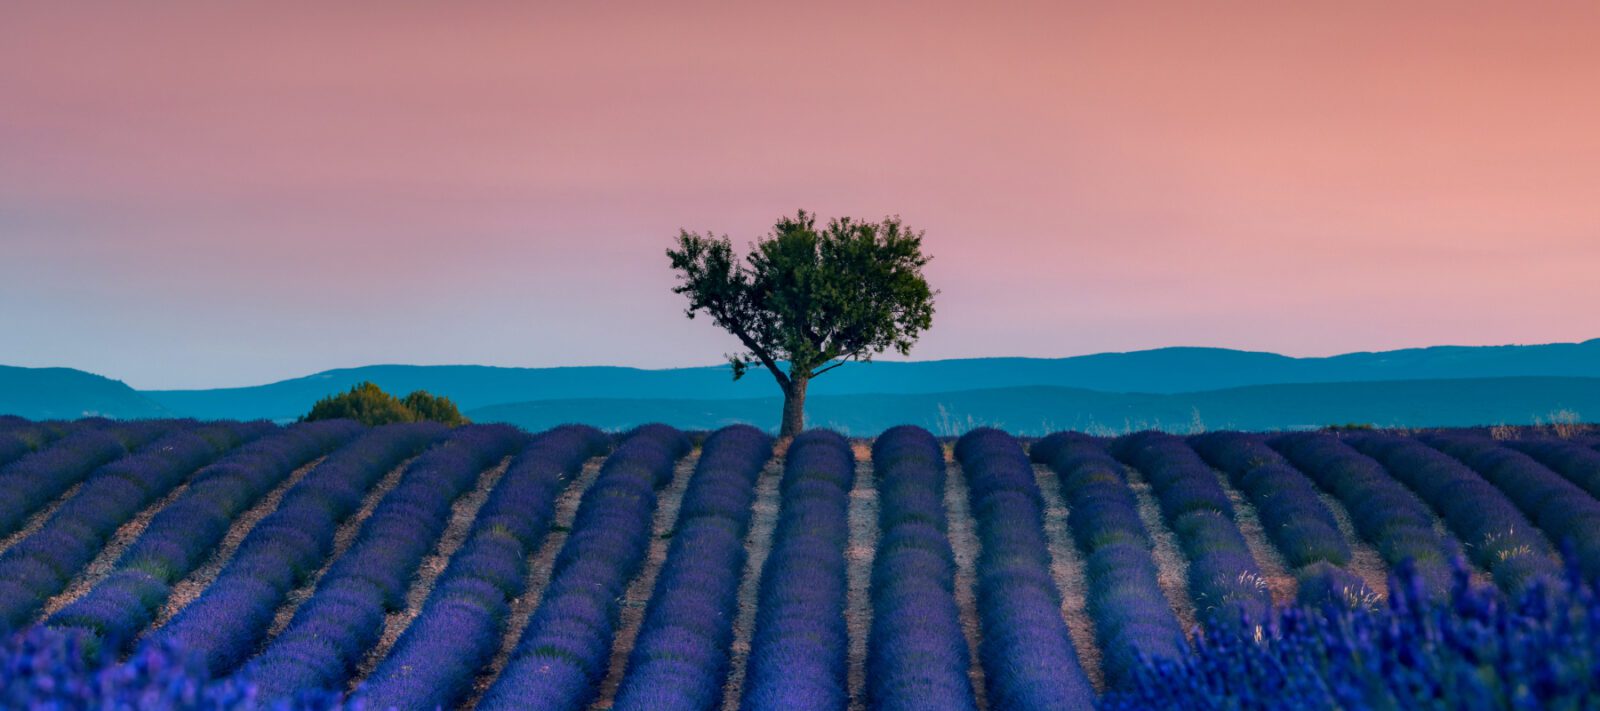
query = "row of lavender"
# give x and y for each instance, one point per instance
(797, 659)
(41, 565)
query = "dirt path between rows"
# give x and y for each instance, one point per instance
(1364, 559)
(1067, 568)
(863, 521)
(193, 584)
(33, 523)
(1280, 582)
(758, 544)
(1172, 568)
(637, 597)
(964, 544)
(540, 562)
(343, 537)
(106, 560)
(462, 513)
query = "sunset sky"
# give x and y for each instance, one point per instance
(206, 194)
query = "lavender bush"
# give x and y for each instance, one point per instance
(680, 659)
(1224, 578)
(566, 649)
(798, 653)
(917, 655)
(1133, 620)
(1029, 661)
(224, 624)
(458, 631)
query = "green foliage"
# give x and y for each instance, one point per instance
(814, 298)
(368, 404)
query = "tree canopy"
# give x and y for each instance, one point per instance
(370, 405)
(807, 300)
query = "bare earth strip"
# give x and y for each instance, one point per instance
(38, 519)
(1479, 575)
(1364, 559)
(639, 591)
(343, 537)
(1067, 568)
(863, 522)
(1172, 568)
(964, 543)
(1280, 582)
(462, 513)
(106, 560)
(763, 520)
(539, 565)
(200, 578)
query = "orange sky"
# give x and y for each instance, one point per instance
(195, 194)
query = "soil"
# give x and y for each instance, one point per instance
(863, 522)
(539, 564)
(105, 561)
(38, 519)
(1364, 559)
(1280, 582)
(462, 513)
(200, 578)
(1171, 566)
(343, 537)
(964, 543)
(637, 597)
(758, 544)
(1067, 569)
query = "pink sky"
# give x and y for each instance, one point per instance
(201, 194)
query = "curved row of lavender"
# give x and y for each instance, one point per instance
(1029, 661)
(563, 653)
(47, 468)
(458, 630)
(42, 564)
(1133, 619)
(1225, 580)
(1566, 513)
(1292, 515)
(917, 656)
(798, 652)
(226, 623)
(330, 633)
(179, 538)
(679, 660)
(1493, 532)
(1383, 511)
(19, 437)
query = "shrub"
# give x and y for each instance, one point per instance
(370, 405)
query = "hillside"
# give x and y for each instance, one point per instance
(65, 393)
(1162, 371)
(1035, 411)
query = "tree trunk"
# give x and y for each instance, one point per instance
(794, 409)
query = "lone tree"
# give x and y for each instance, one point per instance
(810, 299)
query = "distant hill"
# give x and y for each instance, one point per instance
(65, 393)
(1162, 371)
(1041, 409)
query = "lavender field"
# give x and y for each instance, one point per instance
(183, 564)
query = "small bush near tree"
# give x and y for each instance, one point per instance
(370, 405)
